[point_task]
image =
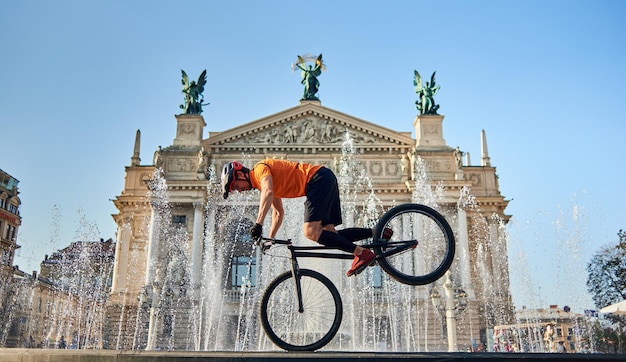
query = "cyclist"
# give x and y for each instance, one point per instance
(278, 179)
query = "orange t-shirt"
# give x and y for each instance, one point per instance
(289, 178)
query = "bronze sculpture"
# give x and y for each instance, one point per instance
(426, 103)
(193, 94)
(309, 75)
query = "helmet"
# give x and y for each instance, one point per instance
(228, 175)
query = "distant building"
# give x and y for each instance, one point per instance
(83, 265)
(543, 330)
(64, 304)
(10, 221)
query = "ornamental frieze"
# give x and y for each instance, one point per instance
(376, 168)
(181, 164)
(310, 130)
(474, 179)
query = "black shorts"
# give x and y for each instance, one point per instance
(322, 199)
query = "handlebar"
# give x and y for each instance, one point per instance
(266, 243)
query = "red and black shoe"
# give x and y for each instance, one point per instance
(361, 261)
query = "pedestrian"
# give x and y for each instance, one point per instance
(62, 343)
(278, 179)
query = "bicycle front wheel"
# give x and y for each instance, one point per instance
(310, 329)
(434, 253)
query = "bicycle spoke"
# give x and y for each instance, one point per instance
(312, 328)
(434, 252)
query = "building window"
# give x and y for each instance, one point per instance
(13, 209)
(6, 257)
(377, 277)
(242, 271)
(179, 219)
(9, 232)
(243, 262)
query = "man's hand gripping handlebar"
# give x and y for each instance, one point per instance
(266, 243)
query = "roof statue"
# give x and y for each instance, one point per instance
(309, 75)
(193, 94)
(426, 103)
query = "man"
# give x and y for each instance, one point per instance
(278, 179)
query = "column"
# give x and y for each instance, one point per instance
(122, 250)
(196, 247)
(153, 246)
(463, 249)
(448, 289)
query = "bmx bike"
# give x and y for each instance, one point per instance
(301, 309)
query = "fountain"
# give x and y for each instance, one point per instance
(189, 303)
(186, 312)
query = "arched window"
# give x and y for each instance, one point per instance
(243, 258)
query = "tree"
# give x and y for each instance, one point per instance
(606, 282)
(606, 279)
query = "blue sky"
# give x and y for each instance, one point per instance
(544, 79)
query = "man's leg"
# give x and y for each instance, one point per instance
(327, 236)
(355, 234)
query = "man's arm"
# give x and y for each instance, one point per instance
(277, 216)
(267, 198)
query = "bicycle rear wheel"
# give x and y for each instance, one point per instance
(315, 326)
(435, 250)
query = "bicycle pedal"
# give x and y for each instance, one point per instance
(363, 267)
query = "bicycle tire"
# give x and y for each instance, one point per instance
(308, 331)
(434, 253)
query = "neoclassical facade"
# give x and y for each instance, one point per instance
(150, 308)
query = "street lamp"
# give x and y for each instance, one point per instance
(455, 302)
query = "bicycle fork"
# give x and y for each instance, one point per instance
(295, 272)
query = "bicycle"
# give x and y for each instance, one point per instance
(301, 309)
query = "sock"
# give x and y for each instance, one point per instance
(336, 241)
(354, 234)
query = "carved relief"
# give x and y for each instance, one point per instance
(431, 130)
(181, 165)
(475, 179)
(432, 165)
(376, 168)
(309, 130)
(392, 168)
(143, 178)
(186, 129)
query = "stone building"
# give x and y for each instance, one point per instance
(171, 215)
(10, 221)
(544, 330)
(64, 301)
(62, 306)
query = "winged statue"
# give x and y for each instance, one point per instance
(310, 74)
(426, 103)
(193, 93)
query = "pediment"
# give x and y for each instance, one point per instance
(308, 125)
